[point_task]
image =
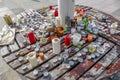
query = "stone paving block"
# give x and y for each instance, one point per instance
(15, 64)
(10, 58)
(5, 70)
(116, 13)
(4, 51)
(111, 8)
(13, 47)
(20, 40)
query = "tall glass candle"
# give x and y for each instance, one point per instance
(67, 40)
(41, 55)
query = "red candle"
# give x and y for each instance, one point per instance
(31, 37)
(56, 13)
(82, 12)
(51, 7)
(67, 40)
(105, 26)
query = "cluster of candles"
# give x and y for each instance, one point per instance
(56, 45)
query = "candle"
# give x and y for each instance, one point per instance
(82, 12)
(56, 46)
(51, 7)
(92, 48)
(58, 21)
(90, 37)
(76, 37)
(59, 30)
(56, 13)
(41, 55)
(31, 37)
(67, 40)
(44, 8)
(32, 59)
(8, 19)
(113, 28)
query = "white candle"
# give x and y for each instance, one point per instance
(58, 21)
(32, 59)
(56, 46)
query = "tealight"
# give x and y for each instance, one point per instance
(80, 59)
(92, 48)
(45, 74)
(71, 63)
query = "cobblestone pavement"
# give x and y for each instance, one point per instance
(14, 7)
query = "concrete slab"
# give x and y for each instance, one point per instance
(4, 11)
(35, 4)
(117, 13)
(6, 73)
(2, 23)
